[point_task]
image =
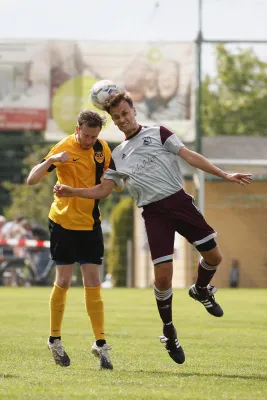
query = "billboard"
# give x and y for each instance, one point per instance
(24, 85)
(159, 76)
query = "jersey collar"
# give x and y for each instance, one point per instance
(134, 134)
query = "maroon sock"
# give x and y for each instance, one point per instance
(205, 273)
(164, 303)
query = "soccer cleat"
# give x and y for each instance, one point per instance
(206, 297)
(174, 348)
(103, 354)
(58, 352)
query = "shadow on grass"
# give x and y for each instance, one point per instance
(192, 374)
(8, 376)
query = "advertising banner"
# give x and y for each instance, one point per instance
(159, 76)
(24, 85)
(45, 84)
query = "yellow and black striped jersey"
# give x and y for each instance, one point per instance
(84, 168)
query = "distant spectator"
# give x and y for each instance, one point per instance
(7, 228)
(2, 224)
(234, 274)
(26, 229)
(40, 255)
(20, 230)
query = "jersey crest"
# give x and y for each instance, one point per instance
(99, 156)
(147, 140)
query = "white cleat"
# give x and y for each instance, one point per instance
(58, 352)
(103, 354)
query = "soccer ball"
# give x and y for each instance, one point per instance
(101, 91)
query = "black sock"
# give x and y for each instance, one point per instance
(205, 273)
(100, 343)
(164, 303)
(169, 330)
(165, 310)
(53, 338)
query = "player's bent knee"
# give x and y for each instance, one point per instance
(163, 282)
(218, 259)
(214, 258)
(207, 246)
(210, 263)
(63, 283)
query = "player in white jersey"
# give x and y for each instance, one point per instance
(147, 162)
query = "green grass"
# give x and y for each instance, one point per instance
(226, 358)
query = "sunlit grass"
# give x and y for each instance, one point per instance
(226, 358)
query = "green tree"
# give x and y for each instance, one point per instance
(121, 232)
(235, 100)
(15, 146)
(106, 205)
(31, 201)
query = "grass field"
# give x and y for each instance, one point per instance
(225, 358)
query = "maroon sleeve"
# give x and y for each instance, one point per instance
(112, 165)
(165, 134)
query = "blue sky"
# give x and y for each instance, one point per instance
(134, 20)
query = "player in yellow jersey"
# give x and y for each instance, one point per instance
(75, 229)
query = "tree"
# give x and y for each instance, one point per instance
(106, 205)
(15, 146)
(31, 201)
(122, 231)
(235, 100)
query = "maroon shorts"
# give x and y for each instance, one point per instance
(176, 213)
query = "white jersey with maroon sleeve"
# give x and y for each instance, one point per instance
(148, 164)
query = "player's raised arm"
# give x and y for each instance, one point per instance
(198, 161)
(39, 171)
(96, 192)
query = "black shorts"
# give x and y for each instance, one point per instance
(69, 246)
(176, 213)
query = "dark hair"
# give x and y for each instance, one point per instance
(91, 119)
(115, 100)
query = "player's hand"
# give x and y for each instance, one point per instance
(63, 190)
(60, 157)
(242, 179)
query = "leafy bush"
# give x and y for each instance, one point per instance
(121, 233)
